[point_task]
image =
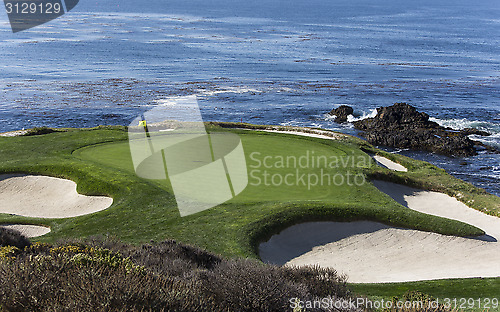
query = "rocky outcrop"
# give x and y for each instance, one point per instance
(469, 131)
(402, 126)
(341, 113)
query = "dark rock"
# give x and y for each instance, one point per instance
(469, 131)
(341, 113)
(401, 125)
(486, 168)
(484, 147)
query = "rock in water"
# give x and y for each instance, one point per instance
(469, 131)
(341, 113)
(401, 125)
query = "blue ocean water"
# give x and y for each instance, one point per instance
(264, 62)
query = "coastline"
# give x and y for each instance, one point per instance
(353, 157)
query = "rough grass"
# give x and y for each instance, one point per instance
(39, 131)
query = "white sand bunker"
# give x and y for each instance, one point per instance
(46, 197)
(370, 252)
(28, 230)
(13, 133)
(389, 164)
(308, 132)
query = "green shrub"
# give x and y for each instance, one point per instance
(106, 258)
(8, 252)
(39, 131)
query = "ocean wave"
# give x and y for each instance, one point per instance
(350, 118)
(236, 90)
(462, 123)
(459, 124)
(365, 115)
(492, 140)
(329, 117)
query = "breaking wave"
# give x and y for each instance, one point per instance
(365, 115)
(459, 124)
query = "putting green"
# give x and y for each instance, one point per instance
(280, 168)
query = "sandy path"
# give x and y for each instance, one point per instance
(28, 230)
(387, 163)
(369, 252)
(46, 197)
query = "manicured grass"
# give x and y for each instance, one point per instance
(274, 155)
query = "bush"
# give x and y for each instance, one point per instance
(56, 284)
(39, 131)
(107, 275)
(8, 252)
(320, 281)
(9, 237)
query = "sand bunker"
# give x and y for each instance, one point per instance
(46, 197)
(28, 230)
(389, 164)
(370, 252)
(310, 133)
(13, 133)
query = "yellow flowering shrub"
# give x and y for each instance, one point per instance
(8, 252)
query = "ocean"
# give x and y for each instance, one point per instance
(262, 62)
